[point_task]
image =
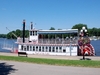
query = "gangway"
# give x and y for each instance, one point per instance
(8, 46)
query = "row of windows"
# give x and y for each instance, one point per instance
(42, 48)
(33, 33)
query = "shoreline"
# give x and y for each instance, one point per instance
(54, 56)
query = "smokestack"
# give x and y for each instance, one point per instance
(23, 31)
(31, 25)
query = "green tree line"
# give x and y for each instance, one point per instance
(2, 35)
(11, 35)
(91, 31)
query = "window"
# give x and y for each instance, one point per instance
(21, 47)
(49, 49)
(53, 49)
(46, 49)
(40, 48)
(33, 32)
(36, 48)
(56, 49)
(33, 48)
(24, 48)
(30, 48)
(36, 33)
(27, 48)
(64, 50)
(60, 49)
(30, 32)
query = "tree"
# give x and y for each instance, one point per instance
(98, 31)
(90, 31)
(18, 33)
(9, 35)
(26, 33)
(59, 29)
(2, 35)
(52, 28)
(94, 31)
(79, 26)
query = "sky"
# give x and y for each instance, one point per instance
(60, 14)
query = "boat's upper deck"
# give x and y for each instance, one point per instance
(64, 36)
(63, 31)
(67, 40)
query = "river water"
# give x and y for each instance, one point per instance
(8, 42)
(95, 43)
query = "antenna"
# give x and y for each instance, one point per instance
(34, 25)
(31, 25)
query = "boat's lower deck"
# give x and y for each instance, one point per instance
(70, 50)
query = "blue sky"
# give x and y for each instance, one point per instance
(44, 14)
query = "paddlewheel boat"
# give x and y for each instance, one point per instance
(52, 42)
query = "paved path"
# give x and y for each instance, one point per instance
(22, 68)
(55, 57)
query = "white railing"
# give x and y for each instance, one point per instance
(20, 40)
(57, 41)
(51, 41)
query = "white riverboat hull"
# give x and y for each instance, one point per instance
(49, 49)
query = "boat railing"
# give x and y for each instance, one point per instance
(20, 40)
(57, 41)
(51, 41)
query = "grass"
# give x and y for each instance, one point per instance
(78, 63)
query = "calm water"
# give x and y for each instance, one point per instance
(96, 45)
(6, 41)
